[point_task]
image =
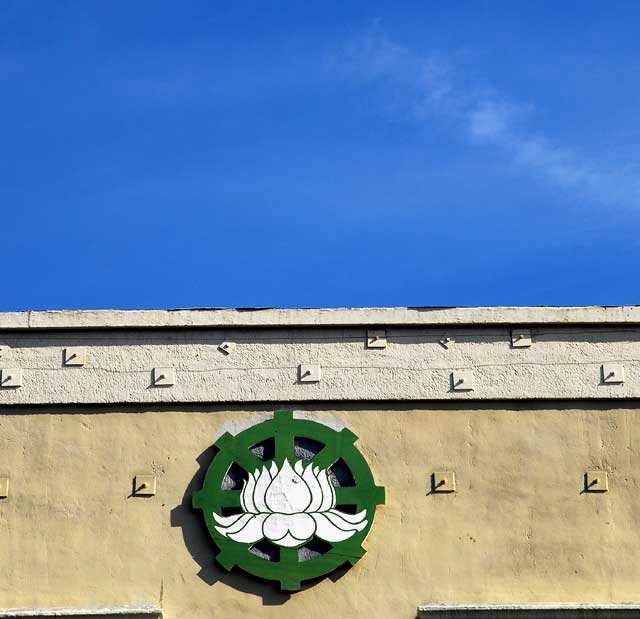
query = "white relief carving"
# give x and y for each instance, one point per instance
(288, 507)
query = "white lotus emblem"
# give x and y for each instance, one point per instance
(288, 507)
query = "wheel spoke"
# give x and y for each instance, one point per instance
(229, 498)
(284, 437)
(331, 452)
(247, 460)
(357, 494)
(289, 568)
(327, 456)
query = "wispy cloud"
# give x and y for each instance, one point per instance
(428, 88)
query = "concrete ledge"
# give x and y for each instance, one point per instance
(107, 611)
(316, 317)
(530, 611)
(564, 362)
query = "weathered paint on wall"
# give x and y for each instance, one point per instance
(519, 529)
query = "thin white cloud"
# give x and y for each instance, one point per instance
(423, 88)
(491, 120)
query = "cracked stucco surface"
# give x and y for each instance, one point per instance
(564, 362)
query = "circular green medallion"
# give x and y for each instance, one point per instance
(288, 500)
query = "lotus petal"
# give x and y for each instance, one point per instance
(226, 521)
(251, 532)
(235, 526)
(333, 491)
(287, 493)
(326, 530)
(314, 487)
(337, 518)
(289, 541)
(353, 519)
(289, 529)
(274, 470)
(297, 467)
(262, 483)
(246, 496)
(328, 495)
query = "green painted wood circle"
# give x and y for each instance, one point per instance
(288, 570)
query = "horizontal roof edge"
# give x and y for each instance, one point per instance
(529, 611)
(77, 611)
(317, 317)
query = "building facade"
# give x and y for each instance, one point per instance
(481, 462)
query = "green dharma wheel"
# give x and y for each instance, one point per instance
(288, 500)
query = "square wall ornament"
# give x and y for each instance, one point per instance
(612, 373)
(462, 380)
(309, 373)
(163, 377)
(74, 356)
(10, 378)
(376, 338)
(227, 347)
(596, 481)
(443, 481)
(144, 485)
(521, 338)
(446, 341)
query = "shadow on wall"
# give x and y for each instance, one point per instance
(203, 550)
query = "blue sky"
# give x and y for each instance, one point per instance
(179, 154)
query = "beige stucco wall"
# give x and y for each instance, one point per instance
(518, 529)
